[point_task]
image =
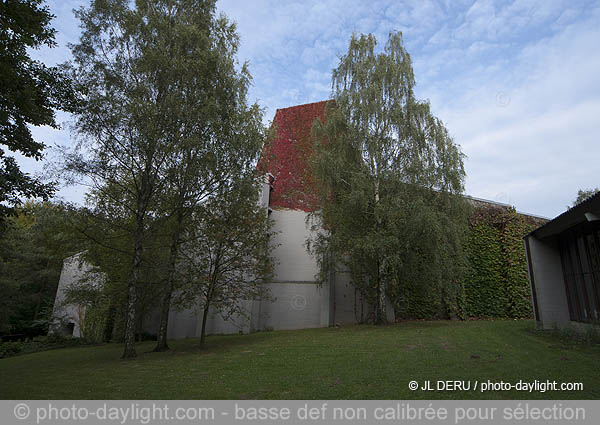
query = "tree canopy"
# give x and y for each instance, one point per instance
(33, 246)
(582, 195)
(390, 178)
(226, 257)
(165, 126)
(30, 92)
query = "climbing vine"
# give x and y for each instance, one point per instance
(484, 284)
(286, 157)
(495, 282)
(494, 267)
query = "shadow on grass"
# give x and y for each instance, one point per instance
(213, 343)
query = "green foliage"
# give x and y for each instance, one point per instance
(518, 292)
(32, 250)
(108, 254)
(90, 296)
(494, 283)
(164, 127)
(582, 195)
(226, 257)
(497, 284)
(8, 349)
(389, 176)
(29, 93)
(40, 343)
(484, 283)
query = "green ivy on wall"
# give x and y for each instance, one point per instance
(495, 282)
(483, 284)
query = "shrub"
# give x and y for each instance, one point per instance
(40, 343)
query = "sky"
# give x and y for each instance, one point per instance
(517, 84)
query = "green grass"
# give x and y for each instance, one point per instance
(355, 362)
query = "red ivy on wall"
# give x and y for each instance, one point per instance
(286, 157)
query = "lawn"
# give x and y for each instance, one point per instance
(354, 362)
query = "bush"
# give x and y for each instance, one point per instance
(8, 349)
(40, 343)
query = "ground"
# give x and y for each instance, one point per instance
(355, 362)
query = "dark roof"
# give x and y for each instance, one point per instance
(588, 210)
(481, 201)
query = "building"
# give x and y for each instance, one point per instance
(564, 267)
(299, 300)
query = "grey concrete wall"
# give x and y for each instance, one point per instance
(297, 300)
(349, 305)
(182, 324)
(546, 268)
(217, 324)
(64, 314)
(265, 192)
(295, 306)
(294, 263)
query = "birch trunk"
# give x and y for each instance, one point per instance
(381, 317)
(131, 314)
(204, 317)
(161, 344)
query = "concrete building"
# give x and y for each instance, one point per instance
(564, 267)
(299, 301)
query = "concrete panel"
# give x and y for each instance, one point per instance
(216, 324)
(65, 315)
(182, 324)
(350, 307)
(296, 306)
(187, 323)
(550, 290)
(348, 302)
(294, 264)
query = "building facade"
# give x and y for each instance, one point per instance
(298, 300)
(564, 267)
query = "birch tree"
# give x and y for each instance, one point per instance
(226, 258)
(165, 123)
(218, 135)
(388, 171)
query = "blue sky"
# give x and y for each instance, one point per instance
(516, 83)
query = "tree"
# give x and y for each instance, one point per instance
(123, 144)
(582, 195)
(389, 177)
(165, 124)
(226, 258)
(222, 137)
(29, 94)
(32, 249)
(107, 240)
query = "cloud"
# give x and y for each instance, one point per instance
(515, 82)
(528, 125)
